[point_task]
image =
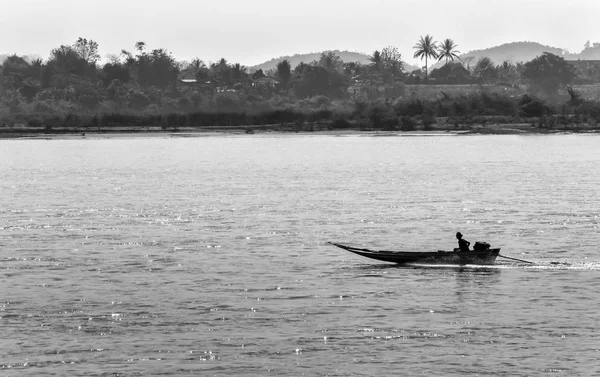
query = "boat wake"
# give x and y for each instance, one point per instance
(557, 265)
(537, 265)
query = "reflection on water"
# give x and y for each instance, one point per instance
(477, 271)
(477, 281)
(208, 256)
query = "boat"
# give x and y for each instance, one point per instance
(479, 257)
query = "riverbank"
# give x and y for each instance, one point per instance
(322, 128)
(480, 113)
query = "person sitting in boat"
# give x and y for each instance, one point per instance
(463, 244)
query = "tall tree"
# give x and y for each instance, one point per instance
(115, 71)
(197, 63)
(221, 72)
(15, 65)
(375, 69)
(508, 73)
(392, 62)
(426, 48)
(352, 69)
(376, 60)
(314, 79)
(485, 70)
(66, 60)
(15, 69)
(468, 60)
(451, 73)
(200, 69)
(549, 72)
(284, 72)
(87, 50)
(331, 61)
(448, 51)
(157, 68)
(239, 73)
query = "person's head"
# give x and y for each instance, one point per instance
(458, 235)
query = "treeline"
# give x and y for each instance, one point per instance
(150, 87)
(448, 112)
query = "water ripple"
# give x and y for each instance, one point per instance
(208, 256)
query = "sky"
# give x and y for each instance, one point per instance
(251, 32)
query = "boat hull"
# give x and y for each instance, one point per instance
(483, 257)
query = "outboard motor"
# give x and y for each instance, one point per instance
(481, 246)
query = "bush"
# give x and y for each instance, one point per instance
(377, 114)
(35, 121)
(590, 108)
(185, 104)
(532, 106)
(410, 108)
(498, 105)
(42, 107)
(360, 109)
(391, 124)
(138, 100)
(398, 90)
(340, 124)
(52, 121)
(71, 120)
(29, 89)
(428, 121)
(407, 124)
(320, 102)
(278, 101)
(88, 97)
(227, 102)
(321, 115)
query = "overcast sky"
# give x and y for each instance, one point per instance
(250, 32)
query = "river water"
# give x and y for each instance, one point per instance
(137, 256)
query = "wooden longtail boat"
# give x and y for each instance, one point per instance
(480, 257)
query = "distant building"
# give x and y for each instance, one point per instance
(265, 81)
(188, 76)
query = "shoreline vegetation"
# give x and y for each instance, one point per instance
(490, 125)
(145, 91)
(479, 111)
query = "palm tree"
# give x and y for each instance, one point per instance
(238, 72)
(197, 63)
(447, 50)
(426, 47)
(331, 61)
(376, 60)
(140, 46)
(376, 66)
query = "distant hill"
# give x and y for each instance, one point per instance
(589, 53)
(294, 60)
(514, 52)
(346, 56)
(526, 51)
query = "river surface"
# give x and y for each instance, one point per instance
(144, 256)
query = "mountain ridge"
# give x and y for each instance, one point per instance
(346, 56)
(520, 51)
